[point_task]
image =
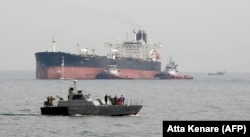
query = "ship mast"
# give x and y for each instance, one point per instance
(54, 45)
(135, 32)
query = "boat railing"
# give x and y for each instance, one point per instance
(133, 102)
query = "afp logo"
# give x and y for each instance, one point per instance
(234, 129)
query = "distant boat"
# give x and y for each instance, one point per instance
(217, 73)
(172, 72)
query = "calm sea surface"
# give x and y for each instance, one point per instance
(203, 98)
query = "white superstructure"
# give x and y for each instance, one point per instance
(138, 48)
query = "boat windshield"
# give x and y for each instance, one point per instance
(77, 97)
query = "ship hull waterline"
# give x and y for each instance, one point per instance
(88, 73)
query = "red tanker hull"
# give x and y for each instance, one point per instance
(87, 73)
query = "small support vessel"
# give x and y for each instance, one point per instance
(172, 72)
(111, 72)
(81, 103)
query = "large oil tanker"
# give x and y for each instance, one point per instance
(137, 59)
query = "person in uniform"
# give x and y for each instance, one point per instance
(122, 100)
(115, 99)
(106, 99)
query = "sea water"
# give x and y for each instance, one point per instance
(205, 97)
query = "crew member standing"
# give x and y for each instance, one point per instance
(115, 100)
(122, 100)
(106, 99)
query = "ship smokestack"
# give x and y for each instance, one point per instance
(141, 35)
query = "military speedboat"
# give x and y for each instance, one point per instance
(79, 102)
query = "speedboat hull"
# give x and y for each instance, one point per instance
(54, 111)
(105, 110)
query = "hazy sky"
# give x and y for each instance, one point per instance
(200, 35)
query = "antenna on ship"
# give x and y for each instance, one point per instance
(62, 75)
(127, 36)
(135, 32)
(78, 48)
(75, 84)
(93, 52)
(54, 44)
(142, 33)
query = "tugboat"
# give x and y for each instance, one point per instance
(171, 72)
(81, 103)
(111, 72)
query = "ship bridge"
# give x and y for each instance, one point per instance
(138, 48)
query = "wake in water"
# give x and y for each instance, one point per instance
(23, 112)
(80, 115)
(20, 114)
